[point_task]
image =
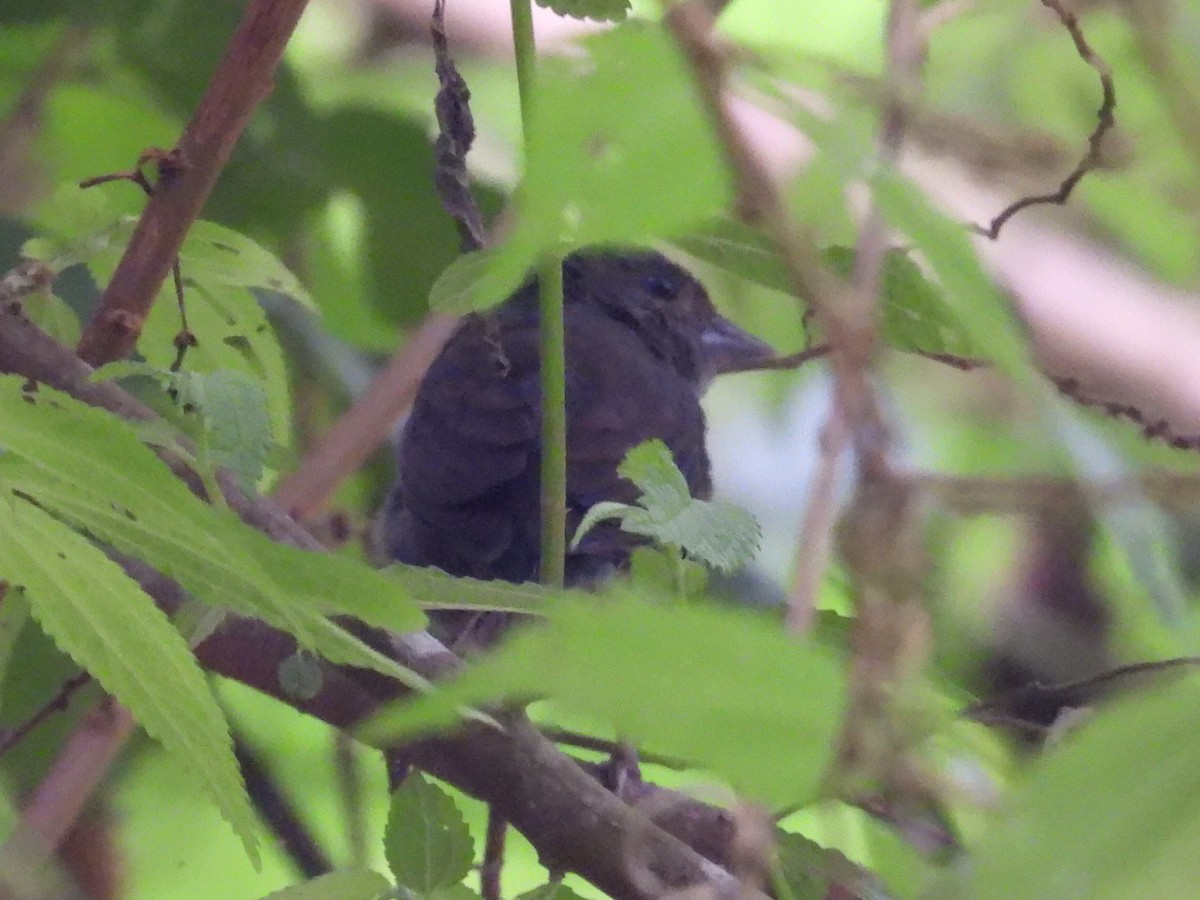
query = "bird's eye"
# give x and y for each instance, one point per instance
(662, 288)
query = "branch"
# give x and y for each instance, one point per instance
(1105, 120)
(242, 80)
(573, 821)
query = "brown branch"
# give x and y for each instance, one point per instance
(1105, 120)
(52, 808)
(10, 737)
(968, 495)
(343, 449)
(243, 79)
(280, 815)
(573, 821)
(1029, 706)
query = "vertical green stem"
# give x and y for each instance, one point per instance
(526, 53)
(554, 415)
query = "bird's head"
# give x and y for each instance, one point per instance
(667, 308)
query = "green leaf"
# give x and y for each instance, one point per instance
(214, 255)
(87, 467)
(1111, 813)
(434, 588)
(991, 323)
(234, 429)
(427, 843)
(619, 152)
(721, 534)
(620, 149)
(100, 616)
(14, 613)
(628, 662)
(475, 281)
(219, 269)
(916, 316)
(224, 415)
(809, 870)
(349, 884)
(600, 10)
(50, 313)
(735, 247)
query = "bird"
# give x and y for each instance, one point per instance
(643, 343)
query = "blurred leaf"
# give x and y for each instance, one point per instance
(1112, 813)
(980, 308)
(427, 843)
(464, 285)
(1139, 529)
(101, 617)
(629, 662)
(723, 535)
(735, 247)
(600, 10)
(406, 238)
(348, 884)
(619, 152)
(916, 316)
(811, 871)
(48, 312)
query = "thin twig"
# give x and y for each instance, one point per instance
(997, 710)
(279, 814)
(492, 866)
(1105, 120)
(814, 542)
(59, 703)
(243, 78)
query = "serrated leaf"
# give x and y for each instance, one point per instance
(87, 467)
(434, 588)
(600, 10)
(427, 843)
(219, 268)
(349, 884)
(721, 534)
(103, 620)
(235, 427)
(50, 313)
(628, 661)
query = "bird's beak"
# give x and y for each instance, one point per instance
(726, 348)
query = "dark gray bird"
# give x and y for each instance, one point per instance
(643, 342)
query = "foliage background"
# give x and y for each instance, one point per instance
(335, 177)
